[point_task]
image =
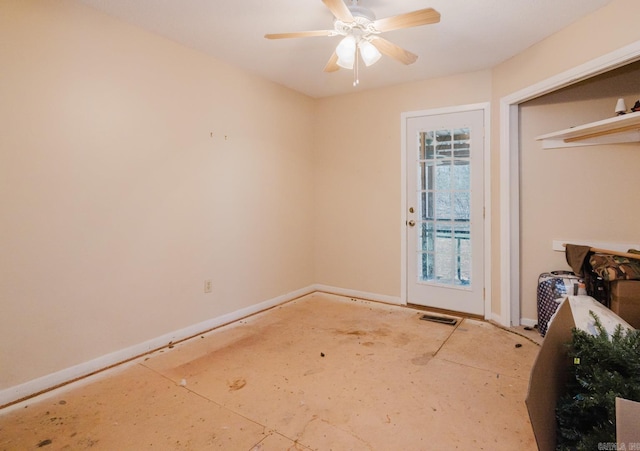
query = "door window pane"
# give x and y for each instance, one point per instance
(461, 206)
(463, 254)
(427, 236)
(444, 253)
(443, 205)
(426, 266)
(426, 175)
(443, 175)
(461, 175)
(427, 211)
(444, 194)
(426, 146)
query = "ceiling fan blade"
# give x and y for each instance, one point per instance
(332, 64)
(413, 19)
(340, 10)
(299, 34)
(395, 52)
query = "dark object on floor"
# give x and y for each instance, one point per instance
(518, 345)
(528, 328)
(440, 319)
(322, 354)
(552, 287)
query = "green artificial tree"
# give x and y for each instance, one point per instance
(604, 367)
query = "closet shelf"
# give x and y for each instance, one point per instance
(619, 129)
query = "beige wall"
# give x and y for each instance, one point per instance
(358, 211)
(602, 32)
(116, 201)
(597, 34)
(581, 193)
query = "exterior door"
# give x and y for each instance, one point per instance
(445, 217)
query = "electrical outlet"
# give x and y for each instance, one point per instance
(208, 286)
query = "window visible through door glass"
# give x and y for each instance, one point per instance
(444, 196)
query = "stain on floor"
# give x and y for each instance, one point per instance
(325, 372)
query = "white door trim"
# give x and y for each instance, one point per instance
(486, 108)
(509, 169)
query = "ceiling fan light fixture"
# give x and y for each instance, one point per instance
(346, 52)
(360, 29)
(370, 54)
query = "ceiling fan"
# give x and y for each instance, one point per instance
(361, 35)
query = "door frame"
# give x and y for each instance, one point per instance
(510, 169)
(486, 108)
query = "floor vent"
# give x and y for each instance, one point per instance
(440, 319)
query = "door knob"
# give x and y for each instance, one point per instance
(411, 223)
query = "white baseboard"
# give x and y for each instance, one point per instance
(36, 386)
(528, 322)
(395, 300)
(496, 318)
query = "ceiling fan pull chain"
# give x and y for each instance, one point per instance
(356, 79)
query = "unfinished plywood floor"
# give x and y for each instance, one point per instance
(322, 372)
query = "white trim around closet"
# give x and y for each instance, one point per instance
(509, 169)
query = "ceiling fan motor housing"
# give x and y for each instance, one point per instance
(361, 11)
(362, 25)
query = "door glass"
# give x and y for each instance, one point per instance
(444, 199)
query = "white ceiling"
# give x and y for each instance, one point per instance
(472, 35)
